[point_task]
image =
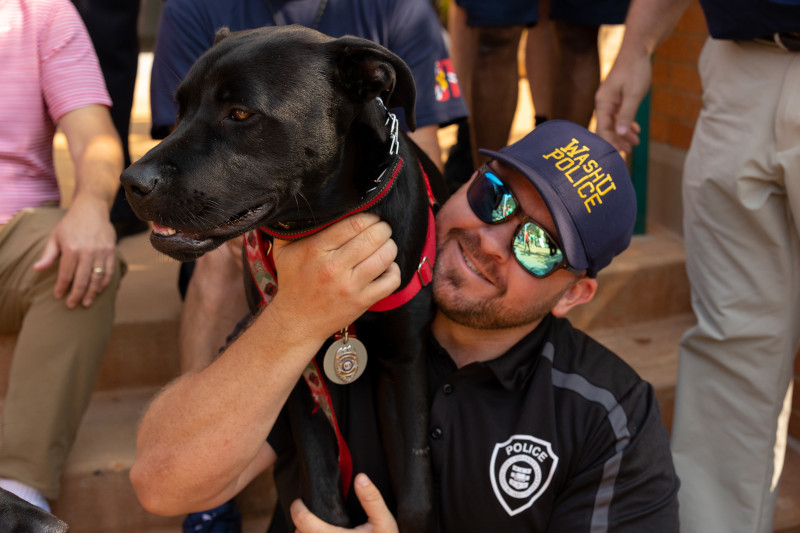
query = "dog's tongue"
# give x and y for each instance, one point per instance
(162, 230)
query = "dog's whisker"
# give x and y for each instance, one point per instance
(172, 71)
(310, 207)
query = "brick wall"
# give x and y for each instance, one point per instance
(676, 93)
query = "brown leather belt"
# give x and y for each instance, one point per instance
(789, 41)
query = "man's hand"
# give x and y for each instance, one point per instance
(327, 280)
(85, 241)
(617, 101)
(379, 518)
(648, 24)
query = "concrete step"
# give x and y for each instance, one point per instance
(143, 349)
(97, 496)
(646, 282)
(651, 348)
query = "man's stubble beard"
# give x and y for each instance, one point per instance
(488, 313)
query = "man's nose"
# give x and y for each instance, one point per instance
(495, 239)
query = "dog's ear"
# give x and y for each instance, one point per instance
(221, 34)
(368, 70)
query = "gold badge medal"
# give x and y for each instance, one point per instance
(345, 360)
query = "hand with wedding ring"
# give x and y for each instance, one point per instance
(83, 242)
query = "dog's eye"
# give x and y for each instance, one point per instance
(239, 114)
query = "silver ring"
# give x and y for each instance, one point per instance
(99, 271)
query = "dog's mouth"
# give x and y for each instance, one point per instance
(186, 244)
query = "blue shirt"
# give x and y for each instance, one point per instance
(750, 19)
(409, 28)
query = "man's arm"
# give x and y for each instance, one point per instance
(204, 437)
(85, 239)
(427, 138)
(416, 36)
(626, 476)
(648, 24)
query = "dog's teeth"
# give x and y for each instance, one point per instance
(163, 230)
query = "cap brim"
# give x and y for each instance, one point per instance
(570, 240)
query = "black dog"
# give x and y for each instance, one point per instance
(282, 128)
(19, 516)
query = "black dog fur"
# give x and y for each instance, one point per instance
(19, 516)
(282, 125)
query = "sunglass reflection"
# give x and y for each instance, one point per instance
(532, 246)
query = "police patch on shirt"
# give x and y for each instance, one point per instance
(521, 470)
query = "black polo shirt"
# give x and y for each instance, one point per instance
(556, 435)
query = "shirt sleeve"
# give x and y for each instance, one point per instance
(417, 37)
(626, 481)
(183, 36)
(70, 71)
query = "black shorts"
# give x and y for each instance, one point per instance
(526, 12)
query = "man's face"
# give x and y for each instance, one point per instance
(477, 281)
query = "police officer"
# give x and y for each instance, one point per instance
(534, 426)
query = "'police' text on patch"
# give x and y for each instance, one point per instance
(521, 469)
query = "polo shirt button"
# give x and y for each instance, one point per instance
(447, 388)
(436, 433)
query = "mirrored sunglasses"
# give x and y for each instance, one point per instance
(493, 203)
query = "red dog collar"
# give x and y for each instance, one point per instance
(426, 261)
(424, 272)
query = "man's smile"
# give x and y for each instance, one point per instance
(471, 265)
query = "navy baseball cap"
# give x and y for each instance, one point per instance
(586, 186)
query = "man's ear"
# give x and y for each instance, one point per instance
(580, 292)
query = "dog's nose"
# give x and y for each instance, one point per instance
(139, 180)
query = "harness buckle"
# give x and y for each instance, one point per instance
(425, 271)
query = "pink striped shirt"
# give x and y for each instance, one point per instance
(48, 67)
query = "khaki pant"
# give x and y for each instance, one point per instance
(56, 357)
(741, 198)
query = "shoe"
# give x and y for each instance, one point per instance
(223, 519)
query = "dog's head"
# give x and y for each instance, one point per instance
(274, 125)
